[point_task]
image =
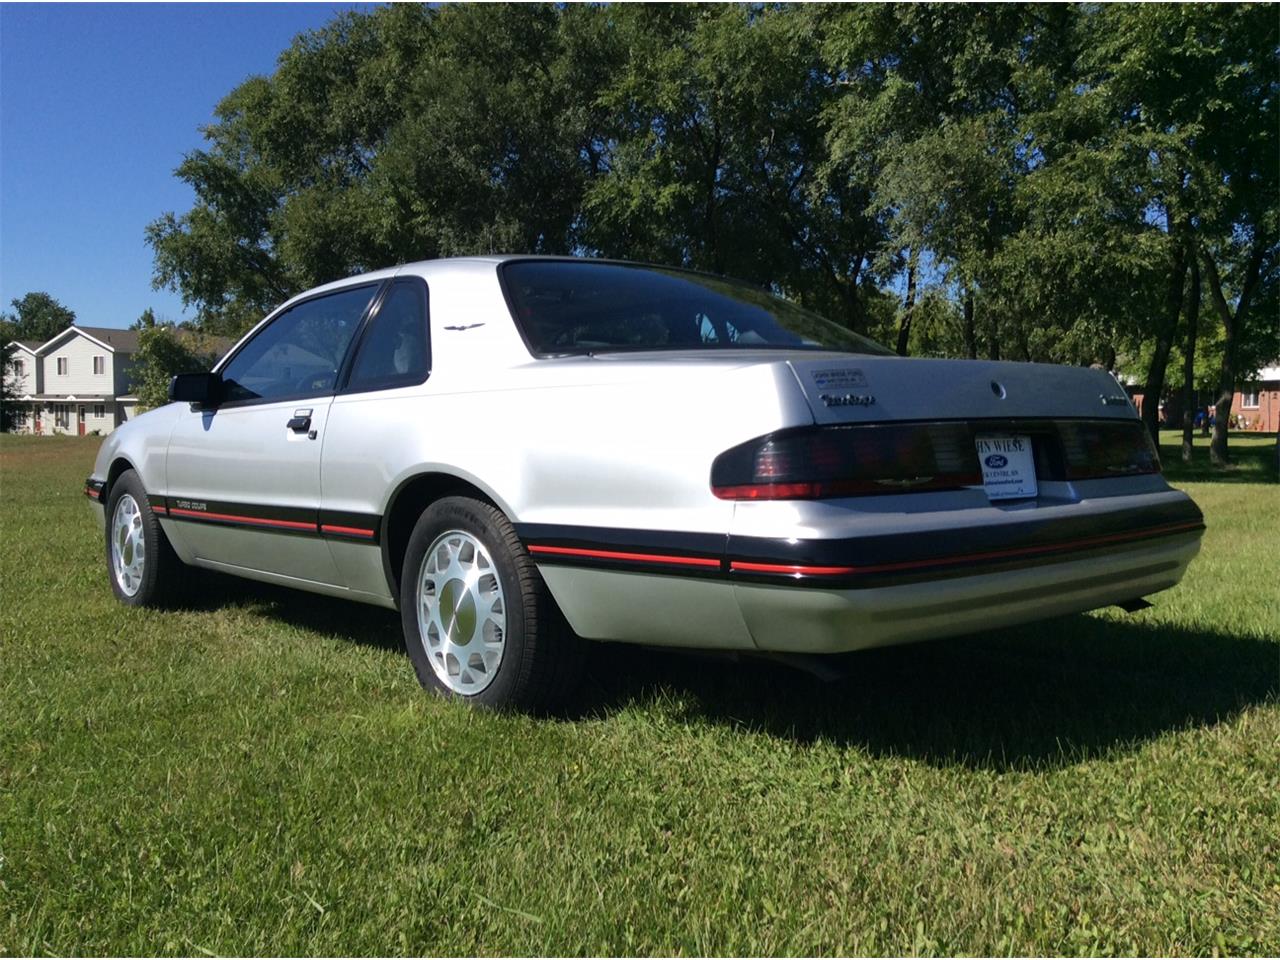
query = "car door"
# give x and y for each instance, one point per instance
(243, 478)
(376, 412)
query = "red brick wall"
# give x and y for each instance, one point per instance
(1264, 417)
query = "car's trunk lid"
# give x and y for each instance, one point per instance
(879, 389)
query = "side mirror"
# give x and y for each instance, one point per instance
(202, 389)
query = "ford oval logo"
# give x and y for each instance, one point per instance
(995, 461)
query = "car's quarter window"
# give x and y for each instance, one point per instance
(582, 306)
(393, 350)
(299, 353)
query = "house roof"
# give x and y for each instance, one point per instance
(73, 397)
(125, 341)
(115, 340)
(1268, 374)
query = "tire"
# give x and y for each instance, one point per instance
(479, 622)
(154, 578)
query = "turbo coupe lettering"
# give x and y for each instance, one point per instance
(525, 454)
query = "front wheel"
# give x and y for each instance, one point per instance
(141, 565)
(479, 623)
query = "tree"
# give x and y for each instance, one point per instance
(8, 384)
(146, 320)
(36, 316)
(404, 134)
(1189, 361)
(714, 157)
(1191, 91)
(165, 350)
(1029, 182)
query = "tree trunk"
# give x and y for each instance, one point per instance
(1218, 454)
(854, 316)
(908, 305)
(1154, 385)
(1231, 325)
(1189, 363)
(970, 335)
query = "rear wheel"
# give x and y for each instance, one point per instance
(479, 623)
(141, 565)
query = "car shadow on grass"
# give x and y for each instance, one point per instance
(359, 623)
(1042, 696)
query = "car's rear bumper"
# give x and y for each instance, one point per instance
(848, 579)
(788, 619)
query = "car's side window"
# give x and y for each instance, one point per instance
(393, 351)
(300, 352)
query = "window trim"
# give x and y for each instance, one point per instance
(99, 411)
(99, 360)
(378, 286)
(63, 367)
(1244, 399)
(344, 387)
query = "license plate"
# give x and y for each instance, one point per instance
(1008, 467)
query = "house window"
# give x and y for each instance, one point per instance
(62, 366)
(99, 364)
(61, 412)
(99, 411)
(19, 367)
(1249, 398)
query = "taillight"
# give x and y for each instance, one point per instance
(1100, 448)
(815, 463)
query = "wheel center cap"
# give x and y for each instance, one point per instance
(458, 611)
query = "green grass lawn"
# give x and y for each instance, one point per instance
(262, 774)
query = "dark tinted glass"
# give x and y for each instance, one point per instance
(300, 351)
(567, 307)
(393, 350)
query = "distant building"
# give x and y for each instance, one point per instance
(78, 382)
(1255, 406)
(1257, 403)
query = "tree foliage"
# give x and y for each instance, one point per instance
(1019, 181)
(35, 316)
(166, 349)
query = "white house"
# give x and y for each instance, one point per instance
(77, 382)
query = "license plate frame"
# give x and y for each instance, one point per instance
(1008, 466)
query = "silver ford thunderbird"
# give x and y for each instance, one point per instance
(523, 454)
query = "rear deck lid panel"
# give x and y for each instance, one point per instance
(879, 389)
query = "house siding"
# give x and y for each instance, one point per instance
(79, 379)
(29, 381)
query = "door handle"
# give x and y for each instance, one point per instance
(301, 421)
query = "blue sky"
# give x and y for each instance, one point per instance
(98, 103)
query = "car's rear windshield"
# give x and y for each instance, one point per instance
(578, 307)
